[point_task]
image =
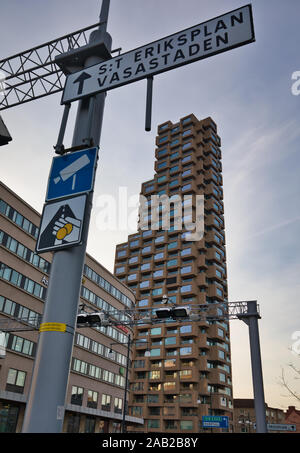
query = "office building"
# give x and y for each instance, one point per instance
(181, 370)
(95, 394)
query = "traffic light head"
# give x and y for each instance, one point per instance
(5, 137)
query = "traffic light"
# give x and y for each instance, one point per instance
(92, 319)
(174, 312)
(4, 134)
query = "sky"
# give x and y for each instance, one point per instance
(247, 91)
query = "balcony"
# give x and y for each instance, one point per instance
(137, 387)
(214, 354)
(190, 425)
(214, 376)
(163, 138)
(171, 425)
(215, 330)
(212, 255)
(141, 364)
(189, 375)
(220, 402)
(121, 270)
(171, 342)
(190, 333)
(210, 160)
(201, 280)
(171, 387)
(202, 341)
(201, 262)
(170, 412)
(155, 376)
(210, 206)
(134, 261)
(136, 399)
(154, 387)
(162, 165)
(215, 190)
(121, 254)
(188, 270)
(158, 274)
(189, 351)
(214, 292)
(171, 363)
(189, 289)
(202, 363)
(187, 399)
(189, 187)
(211, 136)
(216, 273)
(211, 239)
(154, 400)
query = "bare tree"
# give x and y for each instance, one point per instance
(284, 382)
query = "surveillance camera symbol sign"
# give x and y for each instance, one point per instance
(72, 174)
(61, 224)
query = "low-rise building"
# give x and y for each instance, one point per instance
(292, 416)
(95, 394)
(244, 415)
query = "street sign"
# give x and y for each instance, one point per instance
(214, 421)
(72, 174)
(61, 224)
(279, 427)
(209, 38)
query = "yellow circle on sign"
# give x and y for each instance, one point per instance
(62, 233)
(69, 227)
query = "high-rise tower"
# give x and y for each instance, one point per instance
(187, 371)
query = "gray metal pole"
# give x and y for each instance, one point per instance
(124, 428)
(46, 402)
(251, 319)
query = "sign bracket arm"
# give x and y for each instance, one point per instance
(88, 140)
(149, 103)
(59, 147)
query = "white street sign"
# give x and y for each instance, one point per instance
(61, 224)
(217, 35)
(279, 427)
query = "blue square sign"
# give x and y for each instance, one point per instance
(72, 174)
(215, 421)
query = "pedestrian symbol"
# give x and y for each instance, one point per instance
(61, 224)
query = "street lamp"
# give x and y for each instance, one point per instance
(245, 421)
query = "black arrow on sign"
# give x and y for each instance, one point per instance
(80, 80)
